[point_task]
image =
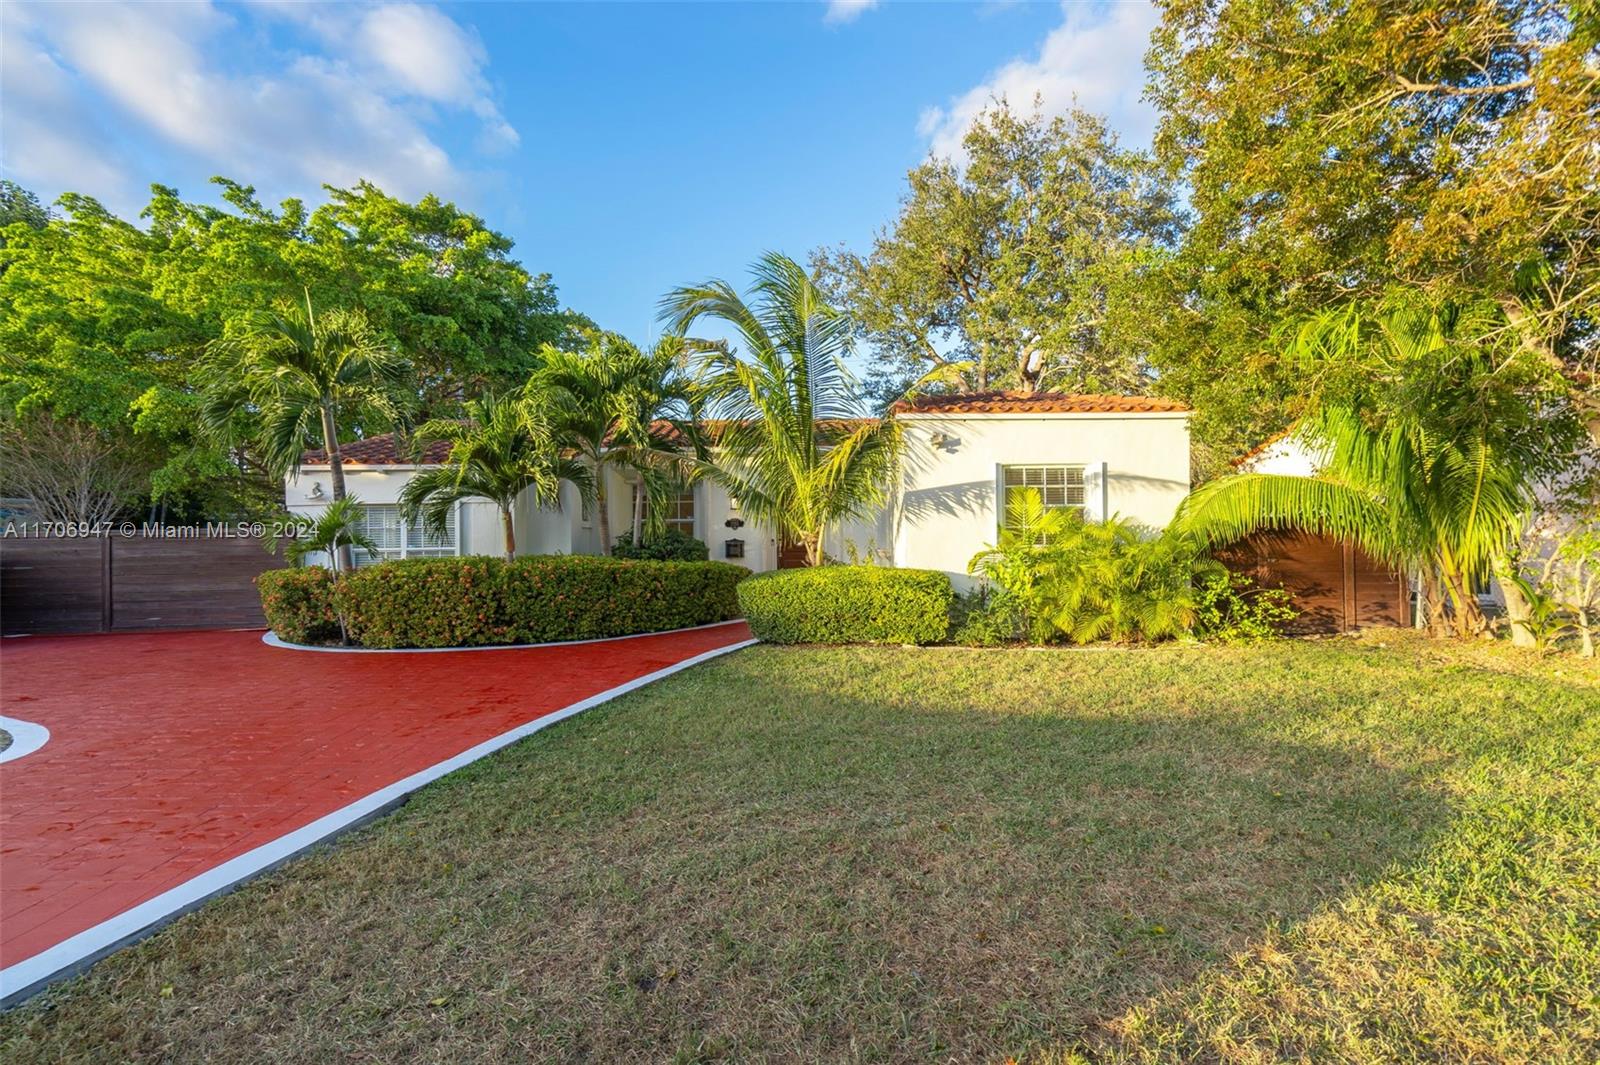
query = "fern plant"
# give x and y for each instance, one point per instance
(1085, 581)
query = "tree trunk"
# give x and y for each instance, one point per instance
(1433, 619)
(812, 542)
(1468, 616)
(602, 517)
(511, 532)
(638, 512)
(1517, 609)
(1586, 633)
(330, 443)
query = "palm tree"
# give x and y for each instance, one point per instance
(606, 402)
(1428, 466)
(503, 447)
(299, 372)
(335, 531)
(794, 448)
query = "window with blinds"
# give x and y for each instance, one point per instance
(397, 538)
(1060, 487)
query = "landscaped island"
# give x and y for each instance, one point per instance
(1293, 850)
(481, 602)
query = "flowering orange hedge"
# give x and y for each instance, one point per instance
(481, 601)
(299, 604)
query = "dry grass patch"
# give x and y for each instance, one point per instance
(1333, 849)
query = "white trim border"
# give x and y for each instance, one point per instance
(78, 952)
(272, 639)
(26, 737)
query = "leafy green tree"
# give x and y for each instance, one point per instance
(436, 279)
(19, 205)
(109, 323)
(792, 446)
(505, 445)
(1335, 151)
(606, 401)
(1023, 268)
(1428, 461)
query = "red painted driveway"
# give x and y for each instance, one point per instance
(171, 753)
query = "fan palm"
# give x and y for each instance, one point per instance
(504, 446)
(298, 372)
(606, 401)
(793, 446)
(1429, 467)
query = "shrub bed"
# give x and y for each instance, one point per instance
(299, 604)
(478, 601)
(848, 604)
(670, 546)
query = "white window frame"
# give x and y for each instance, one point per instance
(405, 550)
(1084, 471)
(675, 522)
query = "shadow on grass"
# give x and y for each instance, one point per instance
(805, 855)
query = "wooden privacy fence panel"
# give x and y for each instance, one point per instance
(131, 583)
(1336, 586)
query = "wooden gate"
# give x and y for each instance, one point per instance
(1336, 586)
(131, 583)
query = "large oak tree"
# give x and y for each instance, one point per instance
(1336, 151)
(1020, 266)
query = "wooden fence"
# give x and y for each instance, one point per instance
(133, 583)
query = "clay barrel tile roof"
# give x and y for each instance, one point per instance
(385, 450)
(381, 450)
(998, 402)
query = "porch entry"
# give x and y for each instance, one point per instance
(791, 554)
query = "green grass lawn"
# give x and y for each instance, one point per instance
(1349, 850)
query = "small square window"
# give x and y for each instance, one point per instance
(1059, 487)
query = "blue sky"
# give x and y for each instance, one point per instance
(625, 147)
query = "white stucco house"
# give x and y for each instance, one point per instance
(1123, 455)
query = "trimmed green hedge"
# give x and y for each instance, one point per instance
(481, 601)
(670, 546)
(848, 604)
(299, 604)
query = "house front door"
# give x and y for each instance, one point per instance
(791, 554)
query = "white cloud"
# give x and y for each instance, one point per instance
(842, 11)
(357, 108)
(47, 137)
(1095, 57)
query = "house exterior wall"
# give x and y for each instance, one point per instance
(941, 512)
(1287, 456)
(1135, 466)
(478, 521)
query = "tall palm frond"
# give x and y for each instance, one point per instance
(505, 446)
(338, 528)
(794, 444)
(298, 372)
(1428, 463)
(607, 402)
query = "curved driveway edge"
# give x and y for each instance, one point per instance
(69, 866)
(26, 737)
